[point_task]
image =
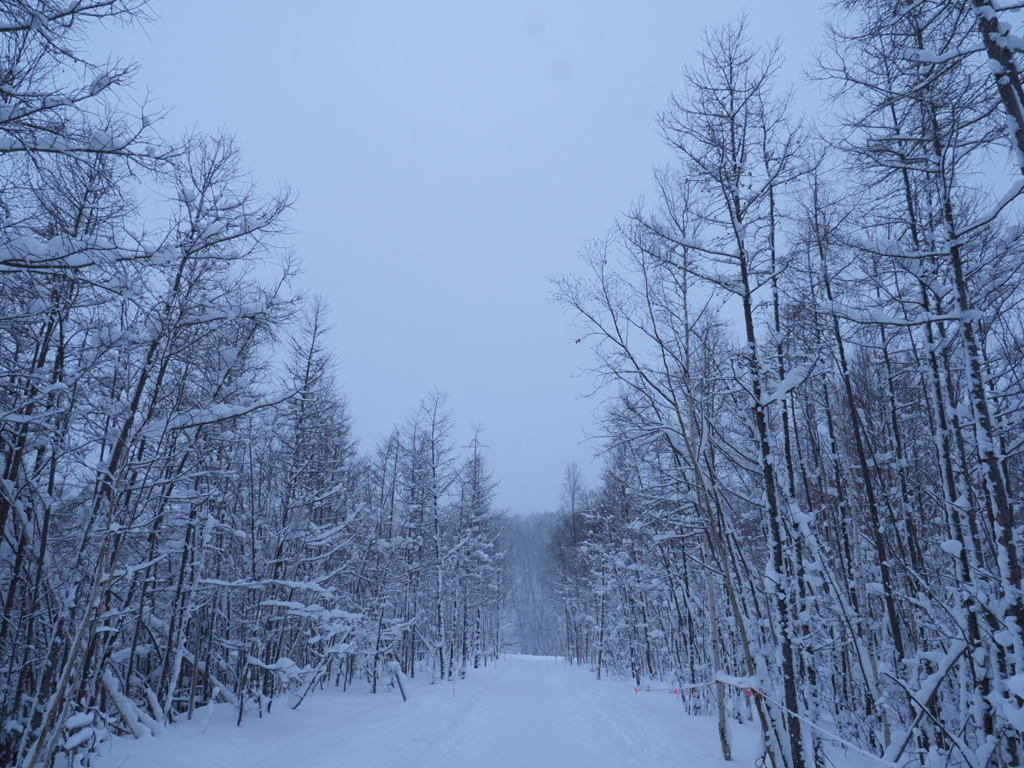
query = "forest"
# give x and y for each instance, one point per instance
(810, 345)
(186, 516)
(809, 350)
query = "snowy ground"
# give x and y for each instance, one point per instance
(527, 712)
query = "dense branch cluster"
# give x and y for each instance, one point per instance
(809, 515)
(185, 516)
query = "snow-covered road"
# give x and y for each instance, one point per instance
(526, 712)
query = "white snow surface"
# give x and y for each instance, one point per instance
(523, 712)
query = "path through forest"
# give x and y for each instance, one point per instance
(525, 712)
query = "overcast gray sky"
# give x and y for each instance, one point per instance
(449, 156)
